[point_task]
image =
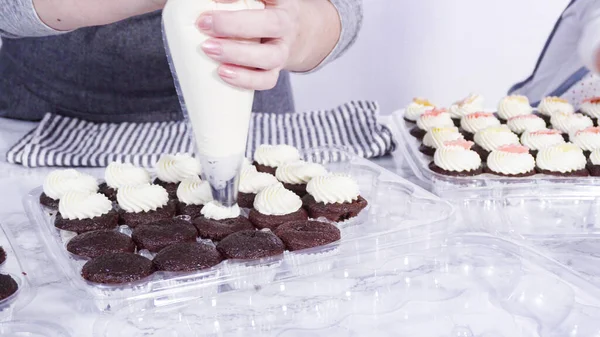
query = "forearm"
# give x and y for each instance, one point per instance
(589, 43)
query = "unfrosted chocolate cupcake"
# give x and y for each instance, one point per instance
(117, 268)
(188, 256)
(298, 235)
(98, 243)
(2, 255)
(296, 175)
(119, 175)
(252, 182)
(267, 158)
(144, 204)
(218, 222)
(8, 286)
(82, 212)
(192, 195)
(173, 169)
(59, 182)
(248, 245)
(275, 206)
(158, 235)
(334, 197)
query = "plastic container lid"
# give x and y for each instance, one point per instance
(32, 329)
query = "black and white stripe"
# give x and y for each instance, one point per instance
(70, 142)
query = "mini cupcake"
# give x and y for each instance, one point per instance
(562, 160)
(591, 108)
(490, 139)
(568, 123)
(296, 175)
(431, 119)
(82, 212)
(416, 108)
(456, 158)
(267, 158)
(593, 163)
(472, 103)
(334, 197)
(550, 105)
(477, 121)
(173, 169)
(118, 175)
(252, 182)
(523, 123)
(59, 182)
(436, 137)
(513, 106)
(144, 204)
(192, 195)
(587, 139)
(511, 161)
(217, 221)
(537, 140)
(275, 206)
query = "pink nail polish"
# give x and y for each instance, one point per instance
(227, 72)
(205, 22)
(212, 47)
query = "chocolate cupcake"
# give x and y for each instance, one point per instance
(117, 268)
(144, 204)
(416, 108)
(249, 245)
(587, 139)
(562, 160)
(511, 161)
(591, 108)
(118, 175)
(537, 140)
(275, 206)
(192, 195)
(298, 235)
(296, 175)
(8, 286)
(173, 169)
(436, 118)
(490, 139)
(98, 243)
(457, 159)
(551, 105)
(252, 182)
(267, 158)
(186, 257)
(436, 137)
(2, 255)
(514, 106)
(158, 235)
(82, 212)
(521, 124)
(568, 123)
(471, 104)
(334, 197)
(59, 182)
(593, 164)
(477, 121)
(217, 222)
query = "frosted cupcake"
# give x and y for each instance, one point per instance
(551, 105)
(173, 169)
(59, 182)
(274, 206)
(296, 175)
(252, 182)
(511, 161)
(431, 119)
(472, 103)
(334, 197)
(475, 122)
(218, 221)
(192, 195)
(562, 160)
(513, 106)
(570, 123)
(591, 108)
(593, 164)
(416, 108)
(144, 204)
(457, 159)
(537, 140)
(267, 158)
(492, 138)
(587, 139)
(436, 137)
(521, 124)
(118, 175)
(82, 212)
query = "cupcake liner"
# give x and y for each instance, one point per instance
(243, 276)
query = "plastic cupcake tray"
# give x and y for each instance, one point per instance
(471, 285)
(540, 206)
(398, 211)
(32, 329)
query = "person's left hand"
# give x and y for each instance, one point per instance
(246, 64)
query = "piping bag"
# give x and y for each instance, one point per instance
(217, 113)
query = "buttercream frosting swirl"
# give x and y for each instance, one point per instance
(457, 157)
(333, 189)
(435, 118)
(118, 175)
(523, 123)
(587, 139)
(59, 182)
(537, 140)
(478, 121)
(78, 205)
(595, 157)
(275, 155)
(276, 200)
(216, 211)
(299, 172)
(252, 181)
(416, 108)
(512, 106)
(563, 158)
(492, 138)
(569, 123)
(194, 191)
(473, 103)
(436, 137)
(142, 198)
(591, 107)
(176, 168)
(511, 160)
(551, 105)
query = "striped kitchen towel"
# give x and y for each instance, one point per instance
(71, 142)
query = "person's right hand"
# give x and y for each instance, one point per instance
(68, 15)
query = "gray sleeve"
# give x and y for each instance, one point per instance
(18, 18)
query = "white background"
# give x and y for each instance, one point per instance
(440, 49)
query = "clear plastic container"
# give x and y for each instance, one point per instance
(470, 285)
(541, 206)
(32, 329)
(398, 211)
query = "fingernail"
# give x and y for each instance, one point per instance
(212, 47)
(227, 72)
(205, 22)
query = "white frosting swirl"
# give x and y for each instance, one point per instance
(561, 158)
(569, 123)
(473, 103)
(333, 189)
(521, 124)
(587, 140)
(176, 168)
(275, 155)
(142, 198)
(59, 182)
(428, 121)
(416, 108)
(595, 157)
(512, 106)
(477, 121)
(216, 211)
(118, 175)
(194, 191)
(276, 200)
(591, 107)
(252, 181)
(493, 137)
(77, 205)
(537, 140)
(436, 137)
(457, 159)
(509, 163)
(551, 105)
(299, 172)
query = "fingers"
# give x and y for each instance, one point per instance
(245, 24)
(265, 56)
(246, 78)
